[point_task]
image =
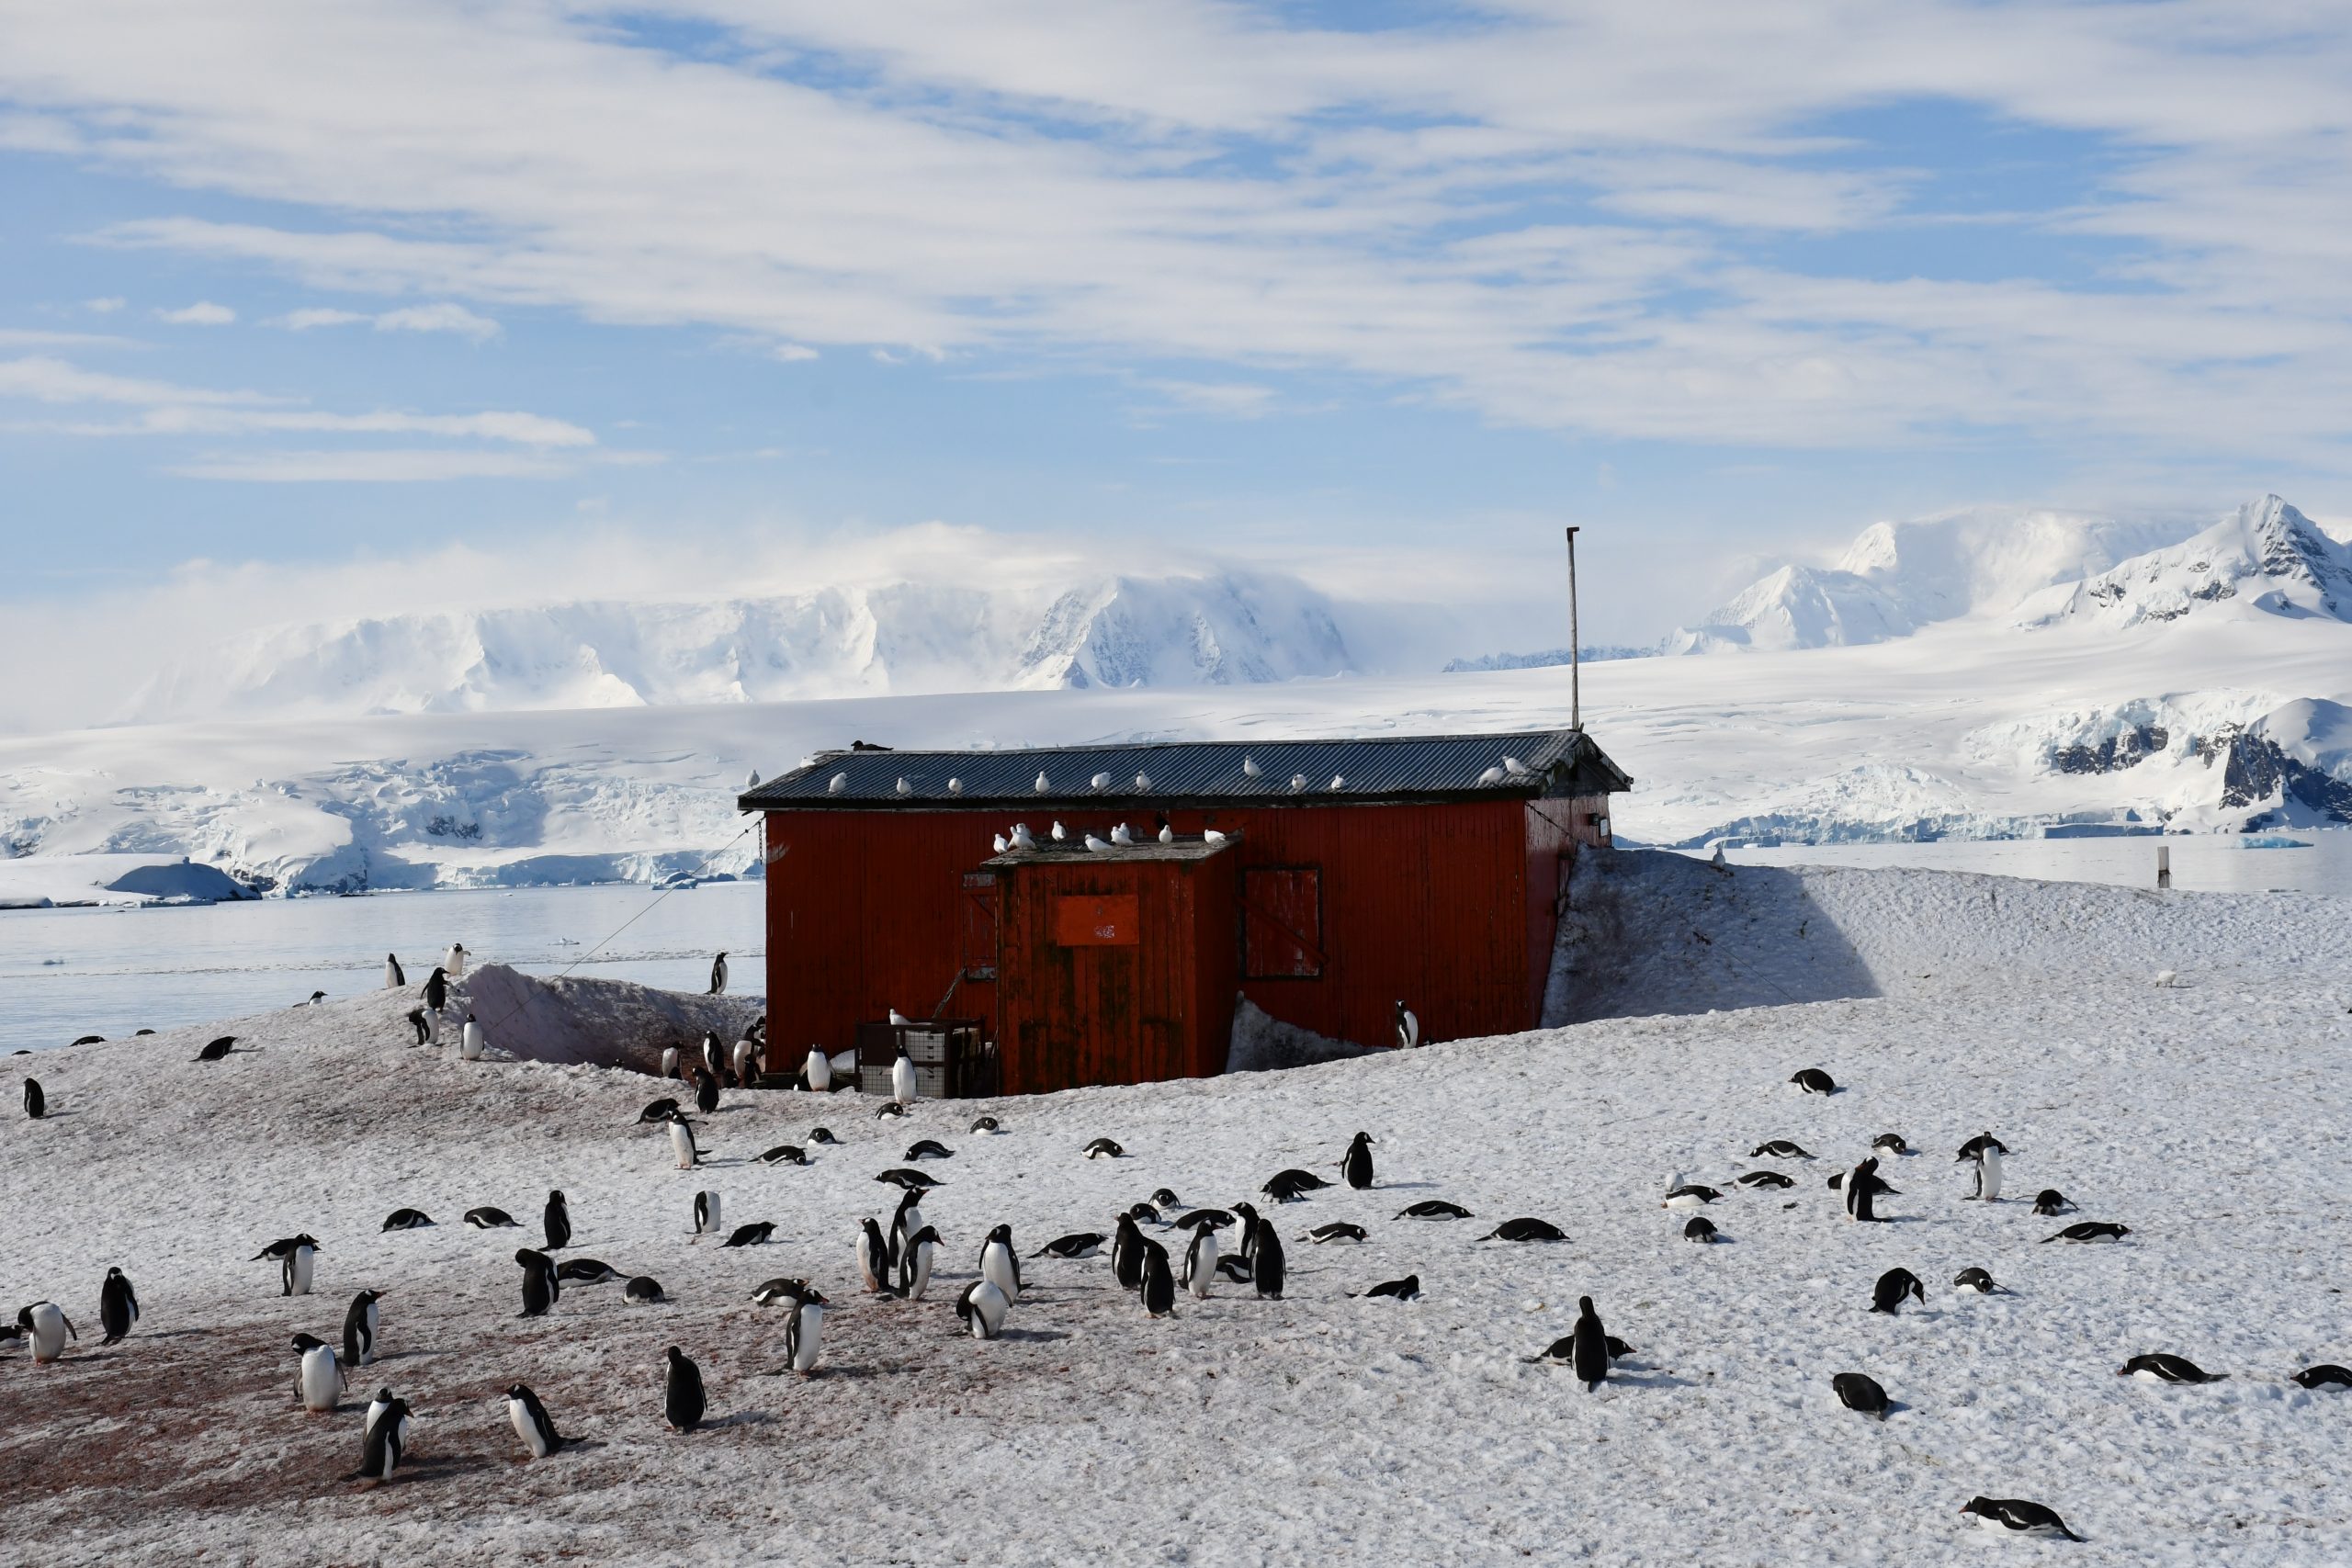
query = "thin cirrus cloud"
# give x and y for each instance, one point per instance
(438, 318)
(1570, 218)
(203, 313)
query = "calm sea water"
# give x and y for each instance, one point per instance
(66, 973)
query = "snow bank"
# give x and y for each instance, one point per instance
(611, 1023)
(1263, 1043)
(40, 881)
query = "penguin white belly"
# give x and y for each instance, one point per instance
(322, 1380)
(988, 1310)
(922, 1272)
(1989, 1175)
(996, 1268)
(708, 1208)
(2145, 1375)
(470, 1046)
(1687, 1201)
(902, 1080)
(1203, 1258)
(870, 1268)
(682, 1144)
(49, 1332)
(804, 1350)
(527, 1428)
(819, 1069)
(298, 1272)
(669, 1061)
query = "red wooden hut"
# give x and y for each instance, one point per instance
(1324, 880)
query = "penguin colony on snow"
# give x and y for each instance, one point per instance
(898, 1263)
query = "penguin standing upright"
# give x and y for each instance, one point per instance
(117, 1306)
(872, 1254)
(46, 1326)
(1247, 1216)
(818, 1070)
(319, 1381)
(714, 1057)
(802, 1331)
(471, 1043)
(905, 1223)
(719, 975)
(541, 1285)
(982, 1307)
(1200, 1261)
(36, 1102)
(1127, 1254)
(1266, 1263)
(669, 1061)
(682, 1397)
(914, 1264)
(532, 1423)
(1861, 1186)
(1000, 1265)
(706, 1213)
(1357, 1167)
(395, 978)
(436, 993)
(294, 1265)
(360, 1329)
(902, 1077)
(739, 1058)
(1589, 1347)
(1988, 1172)
(682, 1141)
(556, 1217)
(1159, 1284)
(385, 1440)
(1408, 1027)
(455, 959)
(705, 1091)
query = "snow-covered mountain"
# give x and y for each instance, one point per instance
(1228, 629)
(2265, 558)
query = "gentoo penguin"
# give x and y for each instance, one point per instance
(706, 1213)
(416, 1017)
(384, 1442)
(888, 1108)
(719, 975)
(740, 1059)
(909, 1179)
(1355, 1166)
(117, 1306)
(2327, 1374)
(1216, 1217)
(472, 1042)
(531, 1421)
(801, 1332)
(1689, 1195)
(1234, 1268)
(643, 1290)
(1525, 1229)
(2050, 1201)
(1285, 1186)
(781, 1289)
(1000, 1265)
(914, 1264)
(1145, 1214)
(750, 1235)
(982, 1307)
(1856, 1390)
(1164, 1197)
(541, 1288)
(817, 1072)
(557, 1218)
(1408, 1027)
(1989, 1173)
(586, 1271)
(1078, 1244)
(2091, 1230)
(822, 1135)
(1405, 1290)
(902, 1077)
(488, 1217)
(1247, 1218)
(656, 1112)
(873, 1256)
(905, 1221)
(1439, 1209)
(36, 1102)
(1341, 1231)
(360, 1329)
(395, 977)
(2161, 1368)
(1127, 1254)
(1589, 1347)
(313, 1000)
(294, 1254)
(713, 1055)
(1699, 1228)
(377, 1406)
(1200, 1261)
(669, 1061)
(318, 1380)
(1861, 1188)
(1770, 1180)
(785, 1154)
(928, 1148)
(1266, 1264)
(682, 1397)
(1778, 1149)
(46, 1327)
(1158, 1286)
(454, 961)
(1105, 1148)
(1975, 1281)
(2014, 1516)
(436, 991)
(705, 1091)
(1887, 1295)
(216, 1049)
(1981, 1140)
(682, 1141)
(1813, 1080)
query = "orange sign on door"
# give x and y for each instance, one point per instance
(1093, 920)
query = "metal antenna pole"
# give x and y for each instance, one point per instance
(1576, 644)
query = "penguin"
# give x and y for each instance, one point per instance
(541, 1288)
(1216, 1217)
(1234, 1268)
(46, 1327)
(1858, 1391)
(216, 1049)
(318, 1380)
(2090, 1230)
(706, 1213)
(801, 1332)
(1284, 1187)
(1127, 1254)
(532, 1423)
(294, 1256)
(1200, 1262)
(377, 1406)
(416, 1017)
(705, 1091)
(1000, 1265)
(784, 1153)
(669, 1061)
(905, 1221)
(907, 1178)
(1266, 1264)
(1778, 1149)
(719, 975)
(1975, 1282)
(436, 992)
(742, 1060)
(822, 1135)
(714, 1057)
(2327, 1374)
(750, 1235)
(928, 1148)
(36, 1102)
(1164, 1197)
(1105, 1148)
(682, 1397)
(914, 1264)
(1699, 1228)
(1589, 1347)
(888, 1108)
(473, 1040)
(1079, 1243)
(1861, 1187)
(1355, 1166)
(1247, 1218)
(1404, 1290)
(2160, 1368)
(556, 1217)
(1813, 1080)
(656, 1112)
(313, 1000)
(1891, 1143)
(902, 1077)
(1526, 1230)
(586, 1271)
(117, 1306)
(1887, 1295)
(873, 1256)
(1689, 1195)
(1439, 1209)
(2014, 1516)
(817, 1072)
(2050, 1201)
(1768, 1180)
(682, 1141)
(982, 1307)
(780, 1288)
(1408, 1027)
(1341, 1231)
(643, 1290)
(1988, 1174)
(489, 1218)
(360, 1329)
(1145, 1214)
(1563, 1350)
(454, 961)
(1158, 1286)
(395, 977)
(1981, 1141)
(382, 1444)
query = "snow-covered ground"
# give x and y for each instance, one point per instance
(1322, 1427)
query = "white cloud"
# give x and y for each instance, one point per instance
(315, 317)
(35, 337)
(363, 466)
(105, 307)
(792, 352)
(1233, 399)
(203, 313)
(437, 319)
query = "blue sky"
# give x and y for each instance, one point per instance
(1380, 294)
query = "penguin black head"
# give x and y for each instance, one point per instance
(517, 1392)
(1003, 1234)
(362, 1299)
(303, 1342)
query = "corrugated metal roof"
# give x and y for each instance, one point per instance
(1262, 772)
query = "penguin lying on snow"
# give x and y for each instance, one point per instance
(488, 1217)
(1975, 1281)
(1701, 1229)
(1145, 1214)
(586, 1271)
(1862, 1393)
(1192, 1219)
(901, 1176)
(750, 1235)
(1891, 1143)
(1290, 1186)
(643, 1290)
(779, 1288)
(928, 1148)
(217, 1049)
(1777, 1149)
(1689, 1196)
(986, 1124)
(2050, 1203)
(1813, 1080)
(1404, 1290)
(1435, 1209)
(1079, 1243)
(1768, 1180)
(2160, 1368)
(2014, 1516)
(1522, 1229)
(2327, 1374)
(1341, 1231)
(2091, 1230)
(784, 1153)
(407, 1220)
(1105, 1148)
(1887, 1295)
(656, 1112)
